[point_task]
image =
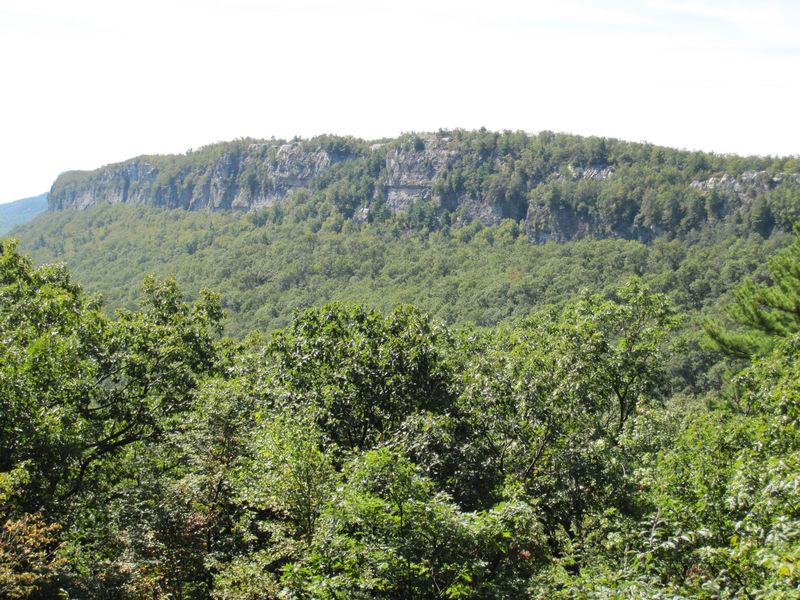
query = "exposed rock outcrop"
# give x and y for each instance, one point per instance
(228, 176)
(247, 175)
(561, 187)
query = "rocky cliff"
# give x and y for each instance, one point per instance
(561, 187)
(221, 177)
(251, 174)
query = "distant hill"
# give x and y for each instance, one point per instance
(474, 227)
(20, 211)
(558, 187)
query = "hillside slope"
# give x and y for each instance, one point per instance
(561, 187)
(419, 220)
(266, 269)
(20, 211)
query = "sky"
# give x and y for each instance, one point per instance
(91, 82)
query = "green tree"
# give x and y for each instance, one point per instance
(178, 519)
(764, 313)
(29, 560)
(548, 402)
(726, 520)
(291, 475)
(79, 391)
(387, 533)
(358, 373)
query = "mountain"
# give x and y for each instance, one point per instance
(548, 419)
(474, 227)
(20, 211)
(556, 186)
(361, 454)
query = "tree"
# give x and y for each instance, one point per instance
(77, 386)
(29, 560)
(358, 373)
(764, 313)
(178, 519)
(387, 533)
(291, 475)
(726, 520)
(547, 403)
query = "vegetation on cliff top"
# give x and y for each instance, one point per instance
(562, 187)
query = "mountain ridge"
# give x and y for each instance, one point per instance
(19, 212)
(562, 187)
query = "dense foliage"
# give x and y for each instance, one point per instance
(557, 186)
(365, 454)
(473, 274)
(416, 401)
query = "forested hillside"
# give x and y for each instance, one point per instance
(18, 212)
(456, 223)
(451, 365)
(358, 454)
(474, 274)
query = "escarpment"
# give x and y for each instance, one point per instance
(560, 187)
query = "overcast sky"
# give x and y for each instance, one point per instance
(86, 83)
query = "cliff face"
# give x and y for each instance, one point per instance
(245, 176)
(561, 187)
(237, 177)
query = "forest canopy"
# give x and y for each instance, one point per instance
(385, 454)
(449, 365)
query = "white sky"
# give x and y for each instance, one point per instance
(87, 82)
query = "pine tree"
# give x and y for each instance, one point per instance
(764, 313)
